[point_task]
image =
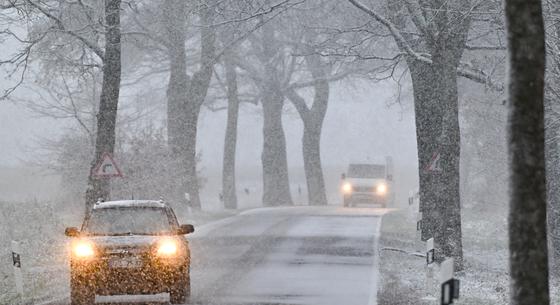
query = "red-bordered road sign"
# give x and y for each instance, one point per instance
(106, 168)
(435, 163)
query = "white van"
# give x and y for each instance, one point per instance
(368, 183)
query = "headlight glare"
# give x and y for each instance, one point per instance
(167, 248)
(83, 249)
(381, 189)
(347, 188)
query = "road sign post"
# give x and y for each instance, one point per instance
(16, 262)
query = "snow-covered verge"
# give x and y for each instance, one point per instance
(485, 280)
(39, 227)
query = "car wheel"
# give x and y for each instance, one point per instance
(80, 293)
(180, 292)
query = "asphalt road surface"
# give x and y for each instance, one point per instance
(296, 255)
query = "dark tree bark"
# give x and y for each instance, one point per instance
(109, 100)
(186, 94)
(428, 120)
(527, 215)
(230, 142)
(313, 118)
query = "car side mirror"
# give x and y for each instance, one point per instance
(185, 229)
(72, 232)
(343, 176)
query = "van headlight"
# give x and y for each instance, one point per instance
(381, 189)
(347, 188)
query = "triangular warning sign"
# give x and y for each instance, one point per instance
(434, 165)
(106, 168)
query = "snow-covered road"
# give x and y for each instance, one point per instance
(296, 255)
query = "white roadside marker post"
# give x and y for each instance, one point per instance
(430, 266)
(430, 251)
(16, 261)
(449, 285)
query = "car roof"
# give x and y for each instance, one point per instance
(130, 204)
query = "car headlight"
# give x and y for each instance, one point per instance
(167, 247)
(381, 189)
(347, 188)
(83, 249)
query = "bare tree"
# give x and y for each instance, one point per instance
(312, 118)
(109, 100)
(434, 61)
(527, 215)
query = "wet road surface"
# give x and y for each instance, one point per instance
(295, 255)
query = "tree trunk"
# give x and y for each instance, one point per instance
(448, 202)
(276, 183)
(276, 187)
(109, 100)
(313, 118)
(230, 142)
(428, 119)
(175, 22)
(311, 143)
(527, 215)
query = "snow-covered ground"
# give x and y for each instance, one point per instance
(485, 280)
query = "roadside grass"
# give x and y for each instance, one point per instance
(485, 280)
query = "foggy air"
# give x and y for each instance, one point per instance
(303, 152)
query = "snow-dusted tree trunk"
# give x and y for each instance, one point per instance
(428, 117)
(527, 215)
(230, 141)
(276, 185)
(109, 100)
(437, 115)
(448, 203)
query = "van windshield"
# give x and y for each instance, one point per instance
(367, 171)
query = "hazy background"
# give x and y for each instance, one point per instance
(365, 122)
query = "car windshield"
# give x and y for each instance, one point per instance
(128, 221)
